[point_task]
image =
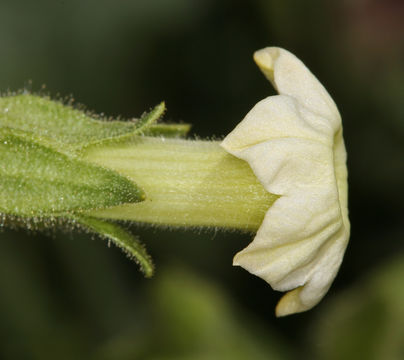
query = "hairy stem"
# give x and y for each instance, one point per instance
(187, 183)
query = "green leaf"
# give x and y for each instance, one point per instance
(36, 180)
(66, 125)
(121, 238)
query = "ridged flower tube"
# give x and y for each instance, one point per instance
(293, 143)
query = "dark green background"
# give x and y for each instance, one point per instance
(65, 296)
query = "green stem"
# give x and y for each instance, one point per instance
(187, 183)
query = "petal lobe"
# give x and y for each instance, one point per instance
(293, 143)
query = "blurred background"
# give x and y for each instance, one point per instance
(68, 296)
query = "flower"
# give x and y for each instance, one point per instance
(294, 145)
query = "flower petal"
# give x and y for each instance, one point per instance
(290, 76)
(293, 143)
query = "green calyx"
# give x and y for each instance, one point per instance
(38, 181)
(43, 179)
(69, 129)
(128, 243)
(62, 166)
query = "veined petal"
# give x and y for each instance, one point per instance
(293, 143)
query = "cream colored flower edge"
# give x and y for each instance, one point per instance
(293, 143)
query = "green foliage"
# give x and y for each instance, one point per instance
(150, 118)
(71, 128)
(42, 178)
(89, 308)
(168, 130)
(196, 320)
(147, 125)
(366, 320)
(63, 123)
(37, 181)
(121, 238)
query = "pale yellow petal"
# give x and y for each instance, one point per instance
(290, 76)
(293, 143)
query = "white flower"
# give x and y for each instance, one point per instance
(293, 143)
